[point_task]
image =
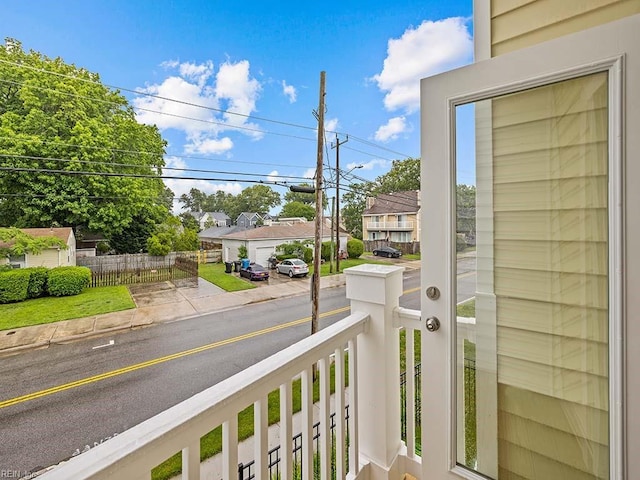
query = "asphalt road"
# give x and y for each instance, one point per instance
(83, 393)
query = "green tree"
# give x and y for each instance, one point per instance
(466, 209)
(258, 198)
(194, 201)
(14, 241)
(67, 143)
(189, 221)
(298, 209)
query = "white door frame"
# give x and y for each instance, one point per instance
(613, 47)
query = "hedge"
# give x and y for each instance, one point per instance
(37, 281)
(355, 248)
(14, 286)
(66, 281)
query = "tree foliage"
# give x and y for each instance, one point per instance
(466, 209)
(298, 209)
(62, 133)
(14, 241)
(258, 198)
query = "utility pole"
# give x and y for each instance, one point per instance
(315, 279)
(337, 147)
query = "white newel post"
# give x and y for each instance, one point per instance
(376, 290)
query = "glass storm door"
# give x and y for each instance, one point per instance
(522, 210)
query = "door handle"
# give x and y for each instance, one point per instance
(432, 324)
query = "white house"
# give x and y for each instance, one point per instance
(49, 257)
(261, 242)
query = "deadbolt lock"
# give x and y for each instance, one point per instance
(433, 293)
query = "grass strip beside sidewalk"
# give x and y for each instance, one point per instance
(92, 301)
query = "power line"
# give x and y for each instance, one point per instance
(228, 112)
(141, 152)
(113, 164)
(138, 175)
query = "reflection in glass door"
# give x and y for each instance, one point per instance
(532, 283)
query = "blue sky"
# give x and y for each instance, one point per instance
(261, 60)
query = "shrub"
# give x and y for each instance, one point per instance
(37, 281)
(14, 286)
(355, 248)
(66, 281)
(308, 255)
(156, 246)
(461, 244)
(243, 252)
(326, 249)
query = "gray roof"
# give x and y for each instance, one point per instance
(396, 202)
(215, 233)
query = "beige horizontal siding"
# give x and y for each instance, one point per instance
(564, 96)
(586, 422)
(553, 133)
(559, 226)
(520, 24)
(550, 271)
(568, 385)
(570, 257)
(554, 318)
(522, 462)
(566, 162)
(556, 351)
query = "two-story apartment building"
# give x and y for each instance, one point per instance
(393, 217)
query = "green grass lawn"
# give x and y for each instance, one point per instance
(93, 301)
(214, 273)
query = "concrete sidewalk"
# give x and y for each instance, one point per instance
(158, 303)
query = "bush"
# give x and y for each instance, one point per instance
(461, 244)
(37, 281)
(307, 255)
(14, 286)
(355, 248)
(66, 281)
(326, 249)
(156, 246)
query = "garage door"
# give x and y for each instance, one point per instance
(263, 254)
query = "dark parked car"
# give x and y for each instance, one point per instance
(255, 272)
(293, 267)
(388, 252)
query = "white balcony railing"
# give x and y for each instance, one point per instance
(389, 225)
(371, 337)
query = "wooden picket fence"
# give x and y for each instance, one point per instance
(112, 270)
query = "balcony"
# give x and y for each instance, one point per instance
(366, 350)
(388, 226)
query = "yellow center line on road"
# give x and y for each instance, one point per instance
(156, 361)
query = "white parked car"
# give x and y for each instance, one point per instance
(293, 267)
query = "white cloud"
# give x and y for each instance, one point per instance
(289, 91)
(195, 86)
(371, 164)
(309, 173)
(273, 176)
(199, 73)
(331, 125)
(239, 91)
(432, 47)
(391, 130)
(205, 145)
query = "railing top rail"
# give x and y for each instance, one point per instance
(144, 446)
